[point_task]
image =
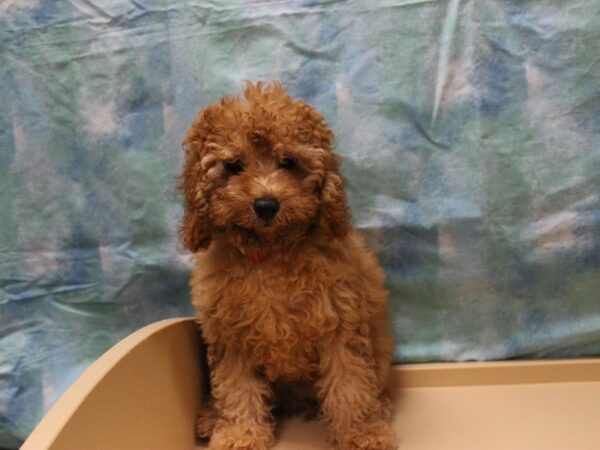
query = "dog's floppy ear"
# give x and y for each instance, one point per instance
(334, 216)
(196, 227)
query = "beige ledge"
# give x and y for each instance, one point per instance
(143, 394)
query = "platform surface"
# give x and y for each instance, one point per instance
(547, 405)
(143, 394)
(526, 417)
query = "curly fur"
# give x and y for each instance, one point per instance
(293, 310)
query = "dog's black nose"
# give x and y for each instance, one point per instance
(266, 207)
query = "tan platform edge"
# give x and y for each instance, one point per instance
(143, 395)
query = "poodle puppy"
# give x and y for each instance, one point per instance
(290, 301)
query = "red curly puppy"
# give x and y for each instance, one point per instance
(290, 301)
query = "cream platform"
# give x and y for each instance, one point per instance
(143, 395)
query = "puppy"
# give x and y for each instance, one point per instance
(290, 301)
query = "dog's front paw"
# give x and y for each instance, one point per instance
(366, 436)
(241, 436)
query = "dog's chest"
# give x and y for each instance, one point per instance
(282, 344)
(279, 335)
(277, 314)
(279, 322)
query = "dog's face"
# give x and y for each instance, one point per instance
(259, 172)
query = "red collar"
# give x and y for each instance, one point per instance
(255, 255)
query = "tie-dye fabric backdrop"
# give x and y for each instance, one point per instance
(470, 132)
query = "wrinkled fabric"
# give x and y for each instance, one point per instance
(470, 132)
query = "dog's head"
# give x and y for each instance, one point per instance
(259, 171)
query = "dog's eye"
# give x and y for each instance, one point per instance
(287, 164)
(234, 167)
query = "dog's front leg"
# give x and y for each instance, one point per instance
(241, 400)
(349, 394)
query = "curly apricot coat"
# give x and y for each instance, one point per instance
(290, 301)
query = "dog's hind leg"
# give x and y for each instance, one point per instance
(207, 419)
